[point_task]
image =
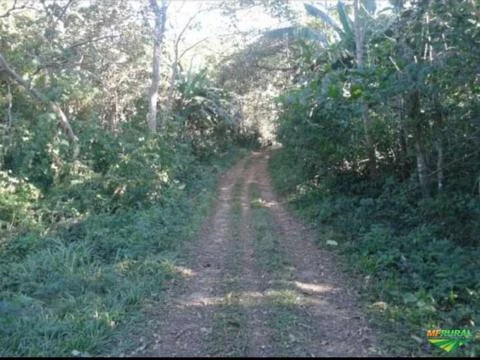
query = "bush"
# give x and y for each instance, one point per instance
(87, 241)
(416, 252)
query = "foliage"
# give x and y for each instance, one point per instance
(404, 248)
(210, 117)
(89, 234)
(80, 260)
(89, 240)
(412, 228)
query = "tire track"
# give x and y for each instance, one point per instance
(186, 317)
(259, 286)
(330, 309)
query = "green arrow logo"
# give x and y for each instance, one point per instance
(449, 339)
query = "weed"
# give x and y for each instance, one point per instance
(80, 287)
(412, 265)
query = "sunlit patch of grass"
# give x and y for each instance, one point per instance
(247, 163)
(286, 322)
(267, 243)
(229, 325)
(290, 326)
(282, 297)
(258, 203)
(75, 303)
(285, 318)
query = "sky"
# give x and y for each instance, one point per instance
(216, 34)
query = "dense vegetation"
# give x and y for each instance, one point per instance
(90, 222)
(109, 156)
(382, 153)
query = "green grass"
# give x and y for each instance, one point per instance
(82, 289)
(288, 322)
(271, 256)
(229, 337)
(406, 261)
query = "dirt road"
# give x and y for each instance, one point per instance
(257, 285)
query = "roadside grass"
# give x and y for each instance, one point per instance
(81, 290)
(412, 279)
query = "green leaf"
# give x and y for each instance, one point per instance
(323, 16)
(345, 20)
(298, 32)
(409, 298)
(333, 91)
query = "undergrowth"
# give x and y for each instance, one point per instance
(418, 263)
(85, 247)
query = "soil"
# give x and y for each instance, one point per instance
(322, 318)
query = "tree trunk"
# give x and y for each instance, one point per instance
(414, 115)
(372, 157)
(438, 144)
(171, 85)
(359, 42)
(64, 124)
(160, 19)
(359, 35)
(9, 108)
(402, 139)
(9, 132)
(440, 178)
(114, 113)
(421, 162)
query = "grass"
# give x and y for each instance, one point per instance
(414, 276)
(271, 257)
(64, 299)
(288, 322)
(81, 290)
(229, 334)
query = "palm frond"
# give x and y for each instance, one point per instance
(345, 20)
(298, 32)
(323, 16)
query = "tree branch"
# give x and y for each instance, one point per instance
(12, 9)
(191, 47)
(89, 41)
(179, 38)
(65, 60)
(275, 68)
(64, 124)
(62, 14)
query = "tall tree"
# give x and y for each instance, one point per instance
(177, 55)
(160, 13)
(359, 26)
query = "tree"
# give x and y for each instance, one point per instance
(359, 25)
(178, 55)
(64, 123)
(160, 13)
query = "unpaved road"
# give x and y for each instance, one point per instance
(257, 285)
